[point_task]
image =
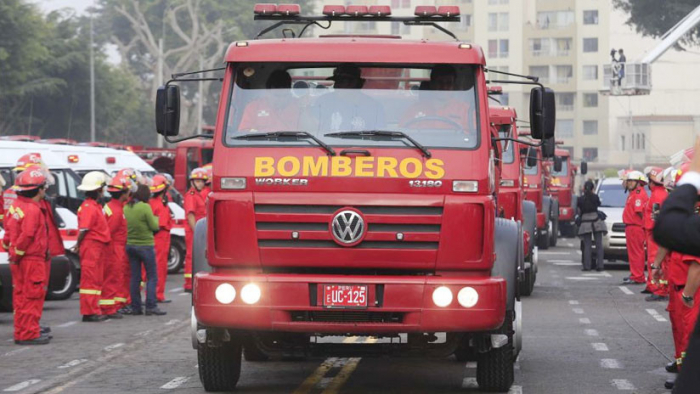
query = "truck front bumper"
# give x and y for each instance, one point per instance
(396, 304)
(566, 214)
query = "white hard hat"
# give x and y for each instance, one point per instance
(637, 176)
(93, 180)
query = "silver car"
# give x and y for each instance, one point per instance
(612, 198)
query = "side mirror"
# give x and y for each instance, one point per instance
(542, 113)
(584, 168)
(548, 147)
(168, 110)
(557, 164)
(531, 157)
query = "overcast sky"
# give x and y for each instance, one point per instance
(51, 5)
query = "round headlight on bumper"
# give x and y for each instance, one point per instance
(442, 296)
(250, 293)
(467, 297)
(225, 293)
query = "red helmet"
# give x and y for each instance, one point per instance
(30, 179)
(28, 160)
(199, 173)
(160, 183)
(119, 183)
(655, 174)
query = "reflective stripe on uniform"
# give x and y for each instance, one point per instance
(188, 275)
(11, 210)
(108, 210)
(19, 252)
(6, 247)
(91, 292)
(106, 302)
(19, 212)
(120, 299)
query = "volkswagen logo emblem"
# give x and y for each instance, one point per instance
(348, 227)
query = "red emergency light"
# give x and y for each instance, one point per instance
(333, 10)
(425, 10)
(380, 10)
(73, 158)
(265, 9)
(448, 10)
(357, 10)
(111, 160)
(289, 9)
(495, 89)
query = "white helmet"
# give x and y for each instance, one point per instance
(93, 180)
(637, 176)
(669, 178)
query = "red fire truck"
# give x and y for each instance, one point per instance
(355, 211)
(536, 183)
(562, 187)
(511, 196)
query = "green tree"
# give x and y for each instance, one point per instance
(654, 18)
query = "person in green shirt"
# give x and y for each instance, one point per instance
(141, 224)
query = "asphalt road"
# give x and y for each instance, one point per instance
(583, 333)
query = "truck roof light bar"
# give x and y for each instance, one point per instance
(290, 14)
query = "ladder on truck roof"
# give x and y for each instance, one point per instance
(637, 75)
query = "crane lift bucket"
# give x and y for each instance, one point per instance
(635, 80)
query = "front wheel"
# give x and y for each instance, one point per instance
(495, 369)
(219, 366)
(176, 255)
(68, 286)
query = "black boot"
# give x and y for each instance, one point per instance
(94, 318)
(672, 367)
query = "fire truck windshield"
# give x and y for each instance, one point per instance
(435, 105)
(508, 154)
(564, 168)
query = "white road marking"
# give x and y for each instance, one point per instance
(564, 262)
(516, 390)
(569, 244)
(73, 363)
(573, 302)
(23, 385)
(599, 346)
(625, 290)
(555, 253)
(68, 324)
(471, 365)
(579, 252)
(656, 315)
(175, 383)
(610, 363)
(469, 383)
(176, 290)
(16, 351)
(171, 322)
(183, 294)
(591, 332)
(112, 347)
(584, 320)
(578, 311)
(580, 278)
(605, 274)
(622, 384)
(143, 333)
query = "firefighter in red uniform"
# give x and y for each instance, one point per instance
(10, 195)
(114, 295)
(207, 184)
(657, 288)
(27, 240)
(93, 240)
(2, 201)
(159, 205)
(633, 218)
(194, 210)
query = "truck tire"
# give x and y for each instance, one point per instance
(507, 261)
(495, 368)
(251, 350)
(530, 223)
(543, 236)
(199, 252)
(554, 219)
(220, 366)
(176, 257)
(64, 292)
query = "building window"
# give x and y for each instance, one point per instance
(539, 46)
(565, 101)
(493, 21)
(406, 3)
(590, 127)
(493, 48)
(502, 48)
(565, 128)
(590, 73)
(405, 29)
(542, 72)
(493, 2)
(503, 21)
(465, 22)
(590, 100)
(563, 73)
(504, 1)
(562, 46)
(590, 17)
(395, 3)
(644, 142)
(395, 28)
(622, 142)
(504, 98)
(555, 19)
(590, 154)
(590, 44)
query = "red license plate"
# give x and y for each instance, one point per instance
(345, 296)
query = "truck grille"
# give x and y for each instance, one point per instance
(419, 226)
(618, 227)
(346, 316)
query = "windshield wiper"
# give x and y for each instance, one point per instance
(280, 134)
(382, 133)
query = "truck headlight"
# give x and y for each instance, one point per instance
(442, 296)
(225, 293)
(467, 297)
(250, 293)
